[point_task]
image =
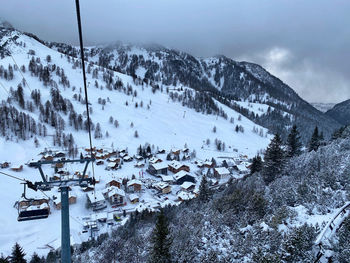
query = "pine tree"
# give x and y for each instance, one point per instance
(4, 260)
(160, 251)
(293, 142)
(17, 255)
(36, 259)
(273, 160)
(204, 189)
(314, 141)
(257, 164)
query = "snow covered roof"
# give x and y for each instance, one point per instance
(242, 167)
(134, 181)
(116, 191)
(176, 165)
(154, 160)
(160, 166)
(133, 197)
(222, 171)
(187, 185)
(167, 178)
(181, 174)
(99, 216)
(185, 195)
(95, 197)
(161, 185)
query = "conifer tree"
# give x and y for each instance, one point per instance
(273, 160)
(293, 142)
(204, 189)
(160, 251)
(17, 255)
(4, 260)
(314, 141)
(257, 164)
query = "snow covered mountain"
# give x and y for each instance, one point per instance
(219, 76)
(323, 107)
(340, 112)
(43, 106)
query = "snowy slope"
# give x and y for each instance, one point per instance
(165, 124)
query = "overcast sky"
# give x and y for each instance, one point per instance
(304, 43)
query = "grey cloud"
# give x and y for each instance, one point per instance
(316, 33)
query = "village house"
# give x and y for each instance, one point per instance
(158, 168)
(127, 158)
(87, 188)
(188, 186)
(116, 196)
(134, 198)
(175, 151)
(162, 187)
(96, 200)
(184, 196)
(60, 155)
(176, 167)
(243, 167)
(183, 176)
(5, 165)
(139, 164)
(112, 166)
(221, 172)
(100, 162)
(17, 168)
(167, 178)
(138, 157)
(154, 160)
(47, 157)
(114, 182)
(72, 199)
(134, 185)
(208, 164)
(161, 151)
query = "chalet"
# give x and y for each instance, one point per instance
(5, 165)
(221, 172)
(96, 200)
(154, 160)
(242, 168)
(134, 185)
(167, 178)
(17, 168)
(123, 150)
(175, 151)
(163, 187)
(60, 154)
(184, 196)
(123, 154)
(134, 198)
(112, 166)
(99, 150)
(160, 151)
(87, 188)
(116, 196)
(59, 165)
(185, 150)
(176, 167)
(208, 164)
(100, 162)
(47, 158)
(188, 186)
(184, 176)
(114, 160)
(100, 217)
(127, 158)
(158, 168)
(72, 199)
(138, 157)
(139, 164)
(114, 182)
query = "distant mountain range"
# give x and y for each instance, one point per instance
(340, 112)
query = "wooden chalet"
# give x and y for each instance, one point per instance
(17, 168)
(115, 182)
(59, 165)
(112, 166)
(134, 198)
(140, 164)
(134, 185)
(161, 151)
(47, 157)
(154, 160)
(221, 172)
(183, 176)
(162, 187)
(188, 186)
(138, 157)
(175, 151)
(5, 165)
(59, 155)
(208, 164)
(96, 200)
(88, 188)
(100, 162)
(127, 158)
(72, 199)
(116, 197)
(176, 167)
(158, 168)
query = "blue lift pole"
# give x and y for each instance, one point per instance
(65, 238)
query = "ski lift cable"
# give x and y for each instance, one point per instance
(19, 69)
(14, 177)
(84, 79)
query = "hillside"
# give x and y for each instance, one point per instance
(223, 78)
(42, 109)
(340, 112)
(248, 221)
